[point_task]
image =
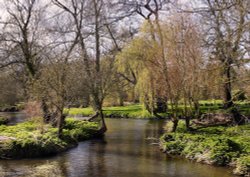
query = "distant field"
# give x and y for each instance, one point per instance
(138, 111)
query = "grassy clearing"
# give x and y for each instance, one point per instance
(138, 111)
(28, 139)
(225, 146)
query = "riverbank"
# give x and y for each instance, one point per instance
(31, 139)
(223, 146)
(137, 111)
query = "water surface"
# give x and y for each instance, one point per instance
(127, 150)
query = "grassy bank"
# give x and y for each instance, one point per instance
(224, 146)
(138, 111)
(29, 139)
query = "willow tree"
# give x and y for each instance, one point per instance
(135, 63)
(179, 79)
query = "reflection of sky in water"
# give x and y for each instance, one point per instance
(124, 152)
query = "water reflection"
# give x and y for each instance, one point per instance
(14, 117)
(125, 151)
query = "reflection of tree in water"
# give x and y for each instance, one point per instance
(63, 166)
(51, 169)
(33, 169)
(97, 161)
(153, 129)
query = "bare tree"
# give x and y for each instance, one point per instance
(22, 39)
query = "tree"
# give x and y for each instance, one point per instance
(226, 33)
(22, 40)
(90, 23)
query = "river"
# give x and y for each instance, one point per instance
(128, 149)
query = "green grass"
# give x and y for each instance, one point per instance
(129, 111)
(213, 145)
(138, 111)
(30, 139)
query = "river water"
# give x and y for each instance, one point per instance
(127, 150)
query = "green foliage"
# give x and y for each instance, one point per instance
(242, 166)
(3, 120)
(213, 145)
(25, 140)
(224, 150)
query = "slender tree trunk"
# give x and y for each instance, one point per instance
(45, 109)
(60, 123)
(227, 88)
(187, 121)
(121, 100)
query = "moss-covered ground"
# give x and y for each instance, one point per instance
(225, 146)
(30, 139)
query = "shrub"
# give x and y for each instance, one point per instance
(3, 120)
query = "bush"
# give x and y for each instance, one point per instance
(4, 120)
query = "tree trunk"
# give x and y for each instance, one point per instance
(103, 128)
(161, 105)
(121, 98)
(227, 88)
(197, 108)
(175, 124)
(187, 121)
(45, 109)
(60, 123)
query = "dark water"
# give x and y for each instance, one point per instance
(128, 150)
(14, 117)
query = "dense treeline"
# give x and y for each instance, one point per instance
(166, 54)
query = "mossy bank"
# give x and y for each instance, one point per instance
(224, 146)
(30, 139)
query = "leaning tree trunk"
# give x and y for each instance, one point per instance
(103, 128)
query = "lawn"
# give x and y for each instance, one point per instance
(138, 110)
